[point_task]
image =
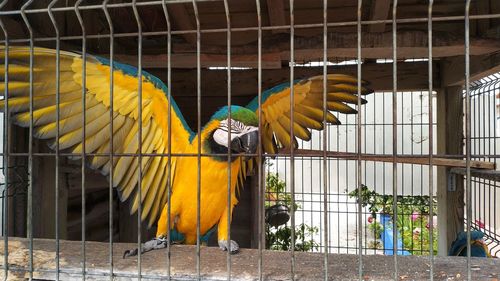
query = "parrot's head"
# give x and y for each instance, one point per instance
(244, 129)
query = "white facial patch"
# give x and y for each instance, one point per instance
(237, 129)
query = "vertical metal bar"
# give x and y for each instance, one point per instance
(468, 182)
(228, 55)
(58, 113)
(431, 142)
(358, 146)
(169, 133)
(111, 146)
(5, 151)
(198, 129)
(292, 137)
(325, 135)
(84, 130)
(139, 135)
(29, 219)
(261, 191)
(394, 137)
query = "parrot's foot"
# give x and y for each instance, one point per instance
(232, 246)
(153, 244)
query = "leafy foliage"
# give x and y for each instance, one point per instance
(280, 237)
(412, 217)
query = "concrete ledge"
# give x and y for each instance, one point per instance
(309, 266)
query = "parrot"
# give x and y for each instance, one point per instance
(235, 128)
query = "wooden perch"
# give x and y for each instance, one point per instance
(404, 159)
(213, 264)
(484, 174)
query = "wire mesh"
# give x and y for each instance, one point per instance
(327, 198)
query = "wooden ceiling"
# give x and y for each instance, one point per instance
(342, 40)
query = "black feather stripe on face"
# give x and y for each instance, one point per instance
(212, 147)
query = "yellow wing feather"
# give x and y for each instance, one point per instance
(155, 123)
(308, 112)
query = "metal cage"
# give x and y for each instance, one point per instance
(429, 132)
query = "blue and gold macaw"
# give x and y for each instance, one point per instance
(159, 135)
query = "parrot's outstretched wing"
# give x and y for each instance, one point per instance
(308, 108)
(155, 123)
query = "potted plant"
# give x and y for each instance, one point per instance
(412, 225)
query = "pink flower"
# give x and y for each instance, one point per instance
(370, 219)
(414, 216)
(480, 224)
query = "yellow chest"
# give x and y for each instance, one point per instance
(213, 182)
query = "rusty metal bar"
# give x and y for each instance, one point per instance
(139, 136)
(260, 186)
(431, 143)
(6, 143)
(358, 146)
(58, 116)
(394, 137)
(169, 133)
(198, 130)
(292, 138)
(468, 183)
(229, 152)
(84, 131)
(111, 146)
(325, 138)
(29, 219)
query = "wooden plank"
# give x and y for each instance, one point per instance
(276, 14)
(182, 21)
(379, 11)
(483, 174)
(419, 160)
(214, 264)
(483, 8)
(480, 66)
(412, 76)
(269, 60)
(411, 44)
(450, 135)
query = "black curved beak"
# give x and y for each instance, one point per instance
(246, 143)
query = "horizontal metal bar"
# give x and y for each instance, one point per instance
(99, 7)
(244, 29)
(299, 153)
(478, 173)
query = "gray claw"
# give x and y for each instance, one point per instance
(153, 244)
(232, 247)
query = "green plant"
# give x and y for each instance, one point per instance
(280, 237)
(412, 217)
(376, 228)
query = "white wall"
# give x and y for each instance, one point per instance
(413, 138)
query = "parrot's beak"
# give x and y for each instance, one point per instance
(246, 143)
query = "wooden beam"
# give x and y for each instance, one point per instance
(411, 44)
(483, 8)
(379, 11)
(450, 188)
(483, 174)
(182, 21)
(189, 60)
(418, 160)
(214, 263)
(453, 70)
(276, 14)
(412, 76)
